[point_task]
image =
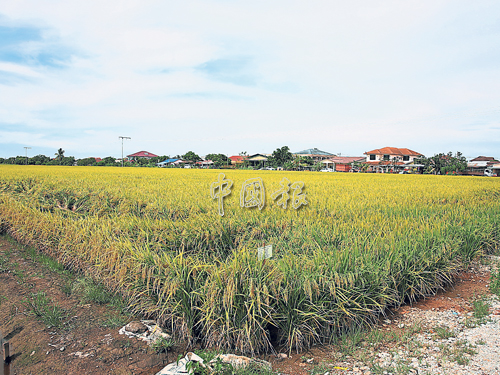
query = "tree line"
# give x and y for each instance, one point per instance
(441, 163)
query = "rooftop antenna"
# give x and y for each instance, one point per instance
(122, 138)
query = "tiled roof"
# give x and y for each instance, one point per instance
(393, 151)
(485, 158)
(313, 151)
(238, 158)
(143, 154)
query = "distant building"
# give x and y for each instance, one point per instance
(237, 159)
(342, 163)
(164, 163)
(390, 158)
(141, 155)
(478, 165)
(315, 154)
(257, 160)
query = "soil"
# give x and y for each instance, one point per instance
(83, 345)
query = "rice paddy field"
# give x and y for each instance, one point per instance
(361, 244)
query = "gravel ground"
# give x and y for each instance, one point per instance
(449, 341)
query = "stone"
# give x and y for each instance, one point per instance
(136, 327)
(238, 361)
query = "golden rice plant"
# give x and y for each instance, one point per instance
(363, 243)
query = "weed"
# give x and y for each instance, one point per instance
(127, 344)
(43, 308)
(495, 282)
(2, 298)
(480, 309)
(67, 287)
(90, 291)
(114, 320)
(444, 332)
(162, 344)
(481, 342)
(320, 369)
(3, 263)
(21, 277)
(460, 352)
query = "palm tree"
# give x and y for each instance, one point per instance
(59, 155)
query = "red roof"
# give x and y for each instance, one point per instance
(393, 151)
(238, 158)
(142, 154)
(484, 158)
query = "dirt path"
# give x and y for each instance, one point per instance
(81, 345)
(87, 342)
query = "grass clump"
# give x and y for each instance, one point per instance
(45, 310)
(480, 309)
(114, 320)
(162, 344)
(90, 291)
(495, 282)
(444, 332)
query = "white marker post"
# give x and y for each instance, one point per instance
(265, 252)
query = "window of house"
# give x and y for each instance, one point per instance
(386, 157)
(373, 157)
(406, 158)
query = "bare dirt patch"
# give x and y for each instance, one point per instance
(81, 345)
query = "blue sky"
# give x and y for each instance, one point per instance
(231, 76)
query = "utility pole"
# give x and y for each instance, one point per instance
(26, 148)
(122, 138)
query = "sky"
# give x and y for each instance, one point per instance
(228, 76)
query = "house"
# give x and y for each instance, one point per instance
(141, 155)
(314, 153)
(204, 163)
(342, 163)
(164, 163)
(257, 160)
(388, 159)
(495, 168)
(477, 166)
(238, 159)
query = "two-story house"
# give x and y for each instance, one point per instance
(390, 158)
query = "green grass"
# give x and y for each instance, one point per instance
(444, 332)
(114, 320)
(495, 282)
(45, 310)
(162, 345)
(89, 291)
(480, 309)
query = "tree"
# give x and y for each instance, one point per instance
(59, 154)
(218, 159)
(301, 162)
(280, 157)
(191, 156)
(444, 163)
(39, 160)
(86, 162)
(67, 160)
